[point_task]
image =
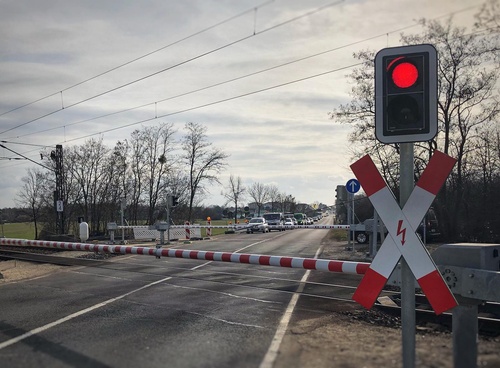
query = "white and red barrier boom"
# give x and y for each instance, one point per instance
(357, 268)
(240, 226)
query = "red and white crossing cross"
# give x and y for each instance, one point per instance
(401, 225)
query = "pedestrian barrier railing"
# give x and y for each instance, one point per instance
(193, 231)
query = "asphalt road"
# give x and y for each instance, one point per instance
(139, 311)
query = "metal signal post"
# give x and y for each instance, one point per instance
(406, 112)
(57, 156)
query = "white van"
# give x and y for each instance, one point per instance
(276, 220)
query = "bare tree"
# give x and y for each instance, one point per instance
(119, 161)
(138, 172)
(274, 195)
(92, 175)
(285, 202)
(204, 162)
(234, 193)
(488, 17)
(30, 195)
(158, 143)
(259, 193)
(468, 101)
(468, 104)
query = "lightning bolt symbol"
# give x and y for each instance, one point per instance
(401, 231)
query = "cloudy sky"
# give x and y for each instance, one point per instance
(111, 57)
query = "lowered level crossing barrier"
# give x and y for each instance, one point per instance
(357, 268)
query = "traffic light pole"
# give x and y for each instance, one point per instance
(168, 220)
(349, 222)
(353, 218)
(406, 112)
(407, 279)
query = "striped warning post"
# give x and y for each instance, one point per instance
(402, 239)
(188, 230)
(209, 229)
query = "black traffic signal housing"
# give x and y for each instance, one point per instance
(173, 201)
(341, 194)
(406, 94)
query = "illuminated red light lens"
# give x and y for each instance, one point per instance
(405, 75)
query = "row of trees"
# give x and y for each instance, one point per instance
(235, 192)
(136, 176)
(144, 170)
(469, 130)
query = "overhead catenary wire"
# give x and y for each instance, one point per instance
(215, 84)
(237, 78)
(218, 101)
(178, 64)
(212, 103)
(139, 58)
(27, 158)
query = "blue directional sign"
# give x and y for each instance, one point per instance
(352, 186)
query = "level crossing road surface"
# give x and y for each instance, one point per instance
(139, 311)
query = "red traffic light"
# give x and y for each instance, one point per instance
(404, 74)
(406, 94)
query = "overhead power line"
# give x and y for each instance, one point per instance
(26, 158)
(237, 78)
(219, 101)
(227, 81)
(213, 103)
(253, 9)
(11, 158)
(179, 64)
(27, 144)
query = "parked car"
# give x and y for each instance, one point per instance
(428, 230)
(257, 224)
(428, 233)
(289, 223)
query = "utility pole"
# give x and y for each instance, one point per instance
(57, 156)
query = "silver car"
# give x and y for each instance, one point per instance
(258, 224)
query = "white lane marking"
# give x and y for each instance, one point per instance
(274, 348)
(77, 314)
(40, 329)
(251, 245)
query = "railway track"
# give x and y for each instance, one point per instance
(489, 313)
(47, 255)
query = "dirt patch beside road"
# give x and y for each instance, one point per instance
(350, 336)
(12, 271)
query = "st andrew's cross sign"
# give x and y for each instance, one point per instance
(402, 239)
